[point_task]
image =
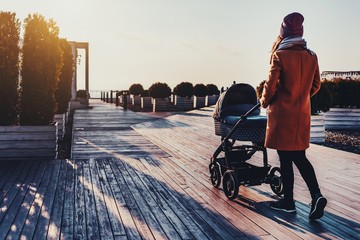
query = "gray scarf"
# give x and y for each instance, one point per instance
(292, 41)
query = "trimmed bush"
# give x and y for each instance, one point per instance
(321, 101)
(184, 89)
(41, 68)
(63, 90)
(136, 89)
(145, 93)
(9, 68)
(212, 89)
(348, 93)
(200, 90)
(345, 93)
(159, 90)
(81, 93)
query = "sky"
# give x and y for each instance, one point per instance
(198, 41)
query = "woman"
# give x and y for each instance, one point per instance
(293, 78)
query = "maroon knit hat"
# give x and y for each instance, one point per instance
(292, 25)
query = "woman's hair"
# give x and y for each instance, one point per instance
(275, 46)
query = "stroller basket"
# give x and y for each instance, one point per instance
(253, 130)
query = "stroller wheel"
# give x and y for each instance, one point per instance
(215, 175)
(276, 183)
(230, 184)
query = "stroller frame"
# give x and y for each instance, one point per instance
(235, 171)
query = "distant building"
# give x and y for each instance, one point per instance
(330, 75)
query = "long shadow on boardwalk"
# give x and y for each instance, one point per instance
(102, 198)
(133, 198)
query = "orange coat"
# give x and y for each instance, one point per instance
(293, 78)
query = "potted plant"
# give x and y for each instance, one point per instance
(40, 71)
(183, 96)
(145, 100)
(320, 103)
(135, 90)
(200, 92)
(81, 96)
(344, 112)
(63, 88)
(212, 94)
(160, 92)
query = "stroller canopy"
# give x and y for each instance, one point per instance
(236, 101)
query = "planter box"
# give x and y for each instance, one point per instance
(211, 100)
(160, 104)
(135, 100)
(127, 99)
(182, 103)
(342, 118)
(28, 142)
(317, 132)
(146, 103)
(60, 119)
(199, 102)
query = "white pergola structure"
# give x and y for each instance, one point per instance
(75, 46)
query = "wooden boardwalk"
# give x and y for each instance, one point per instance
(136, 176)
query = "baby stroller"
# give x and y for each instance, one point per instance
(237, 118)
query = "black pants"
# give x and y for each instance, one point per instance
(287, 158)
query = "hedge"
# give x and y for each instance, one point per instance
(159, 90)
(200, 90)
(63, 88)
(41, 68)
(9, 68)
(136, 89)
(184, 89)
(212, 89)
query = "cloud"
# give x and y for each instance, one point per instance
(187, 45)
(227, 51)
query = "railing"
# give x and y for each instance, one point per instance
(96, 94)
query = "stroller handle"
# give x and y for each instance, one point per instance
(242, 118)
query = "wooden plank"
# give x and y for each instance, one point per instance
(179, 202)
(29, 153)
(128, 202)
(35, 208)
(4, 145)
(58, 205)
(42, 225)
(211, 199)
(153, 217)
(79, 211)
(11, 189)
(125, 212)
(11, 171)
(33, 217)
(15, 198)
(103, 214)
(92, 224)
(67, 223)
(115, 219)
(161, 198)
(25, 200)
